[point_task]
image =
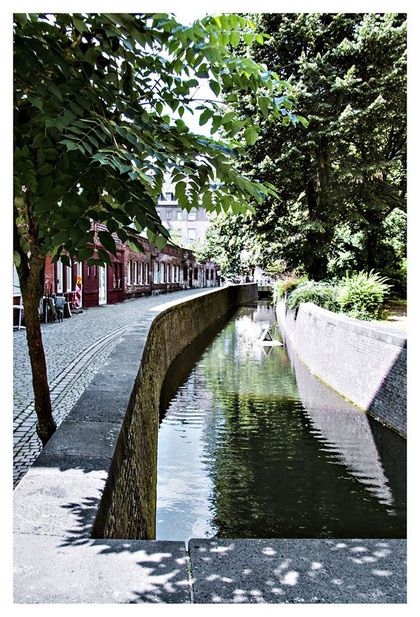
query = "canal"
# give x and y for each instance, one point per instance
(251, 445)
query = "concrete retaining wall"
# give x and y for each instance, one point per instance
(362, 361)
(128, 506)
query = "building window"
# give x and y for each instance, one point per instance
(192, 216)
(59, 276)
(195, 274)
(69, 278)
(169, 196)
(191, 233)
(117, 275)
(146, 274)
(128, 272)
(179, 215)
(156, 273)
(168, 214)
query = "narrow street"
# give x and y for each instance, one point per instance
(75, 349)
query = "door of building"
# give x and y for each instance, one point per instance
(102, 284)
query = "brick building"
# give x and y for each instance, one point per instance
(132, 274)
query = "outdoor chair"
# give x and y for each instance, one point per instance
(19, 307)
(60, 302)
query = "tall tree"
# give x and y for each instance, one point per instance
(99, 100)
(347, 167)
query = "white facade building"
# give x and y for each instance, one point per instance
(186, 227)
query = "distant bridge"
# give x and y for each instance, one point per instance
(265, 290)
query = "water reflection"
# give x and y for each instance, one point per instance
(253, 446)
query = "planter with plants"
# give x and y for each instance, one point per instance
(360, 295)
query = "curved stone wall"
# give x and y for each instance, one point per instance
(128, 505)
(364, 362)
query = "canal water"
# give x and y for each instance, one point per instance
(251, 445)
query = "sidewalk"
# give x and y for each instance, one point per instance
(75, 349)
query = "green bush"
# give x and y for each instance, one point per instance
(286, 285)
(321, 293)
(362, 295)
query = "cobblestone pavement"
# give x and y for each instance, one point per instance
(75, 349)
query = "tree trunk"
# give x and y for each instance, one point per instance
(31, 288)
(316, 262)
(371, 248)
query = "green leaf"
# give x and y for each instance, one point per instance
(85, 253)
(60, 237)
(104, 256)
(235, 38)
(214, 86)
(45, 169)
(36, 102)
(79, 24)
(16, 259)
(56, 92)
(38, 139)
(160, 242)
(235, 127)
(230, 115)
(303, 121)
(205, 116)
(251, 136)
(70, 145)
(263, 104)
(107, 241)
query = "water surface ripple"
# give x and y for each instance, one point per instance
(252, 445)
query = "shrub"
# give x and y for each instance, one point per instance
(286, 285)
(362, 295)
(322, 293)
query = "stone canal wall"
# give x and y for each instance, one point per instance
(55, 558)
(80, 508)
(364, 362)
(128, 506)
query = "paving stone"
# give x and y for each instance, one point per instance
(298, 571)
(56, 501)
(99, 571)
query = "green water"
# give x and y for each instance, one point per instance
(253, 446)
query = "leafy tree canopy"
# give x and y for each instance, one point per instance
(99, 104)
(339, 179)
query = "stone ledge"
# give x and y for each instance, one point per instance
(290, 571)
(50, 570)
(370, 329)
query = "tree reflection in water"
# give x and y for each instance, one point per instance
(254, 446)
